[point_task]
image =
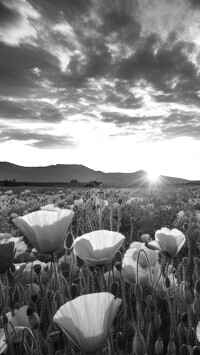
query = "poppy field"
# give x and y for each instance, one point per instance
(100, 271)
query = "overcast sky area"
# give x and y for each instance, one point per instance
(113, 85)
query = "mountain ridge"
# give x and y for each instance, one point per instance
(67, 172)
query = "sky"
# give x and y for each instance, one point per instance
(110, 84)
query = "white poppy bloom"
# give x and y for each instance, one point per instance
(168, 241)
(98, 247)
(19, 322)
(45, 230)
(87, 319)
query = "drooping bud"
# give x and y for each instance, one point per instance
(181, 332)
(157, 321)
(159, 346)
(171, 349)
(120, 341)
(167, 282)
(196, 350)
(188, 295)
(139, 345)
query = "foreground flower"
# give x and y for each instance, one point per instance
(19, 321)
(7, 253)
(129, 264)
(45, 230)
(168, 241)
(98, 247)
(87, 319)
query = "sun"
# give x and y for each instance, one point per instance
(153, 176)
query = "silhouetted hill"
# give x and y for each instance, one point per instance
(66, 173)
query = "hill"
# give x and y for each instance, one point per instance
(62, 173)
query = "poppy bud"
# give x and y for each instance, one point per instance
(120, 341)
(120, 201)
(138, 292)
(37, 268)
(69, 241)
(196, 350)
(167, 282)
(185, 226)
(139, 345)
(128, 329)
(157, 321)
(114, 288)
(188, 295)
(171, 348)
(74, 290)
(159, 346)
(181, 332)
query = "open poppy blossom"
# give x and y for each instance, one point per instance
(87, 319)
(19, 321)
(129, 264)
(168, 241)
(98, 247)
(45, 230)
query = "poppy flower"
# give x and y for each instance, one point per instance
(168, 241)
(98, 247)
(87, 319)
(19, 321)
(45, 230)
(7, 253)
(129, 264)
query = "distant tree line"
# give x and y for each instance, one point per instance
(73, 182)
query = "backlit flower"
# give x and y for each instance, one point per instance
(168, 241)
(87, 319)
(98, 247)
(45, 230)
(129, 264)
(19, 321)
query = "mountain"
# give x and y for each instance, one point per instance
(62, 173)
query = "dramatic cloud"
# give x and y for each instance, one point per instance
(37, 140)
(98, 70)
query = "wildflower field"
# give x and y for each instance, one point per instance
(100, 271)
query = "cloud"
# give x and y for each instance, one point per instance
(34, 110)
(15, 25)
(37, 140)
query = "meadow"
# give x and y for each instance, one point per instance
(100, 271)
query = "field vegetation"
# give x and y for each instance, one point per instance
(99, 271)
